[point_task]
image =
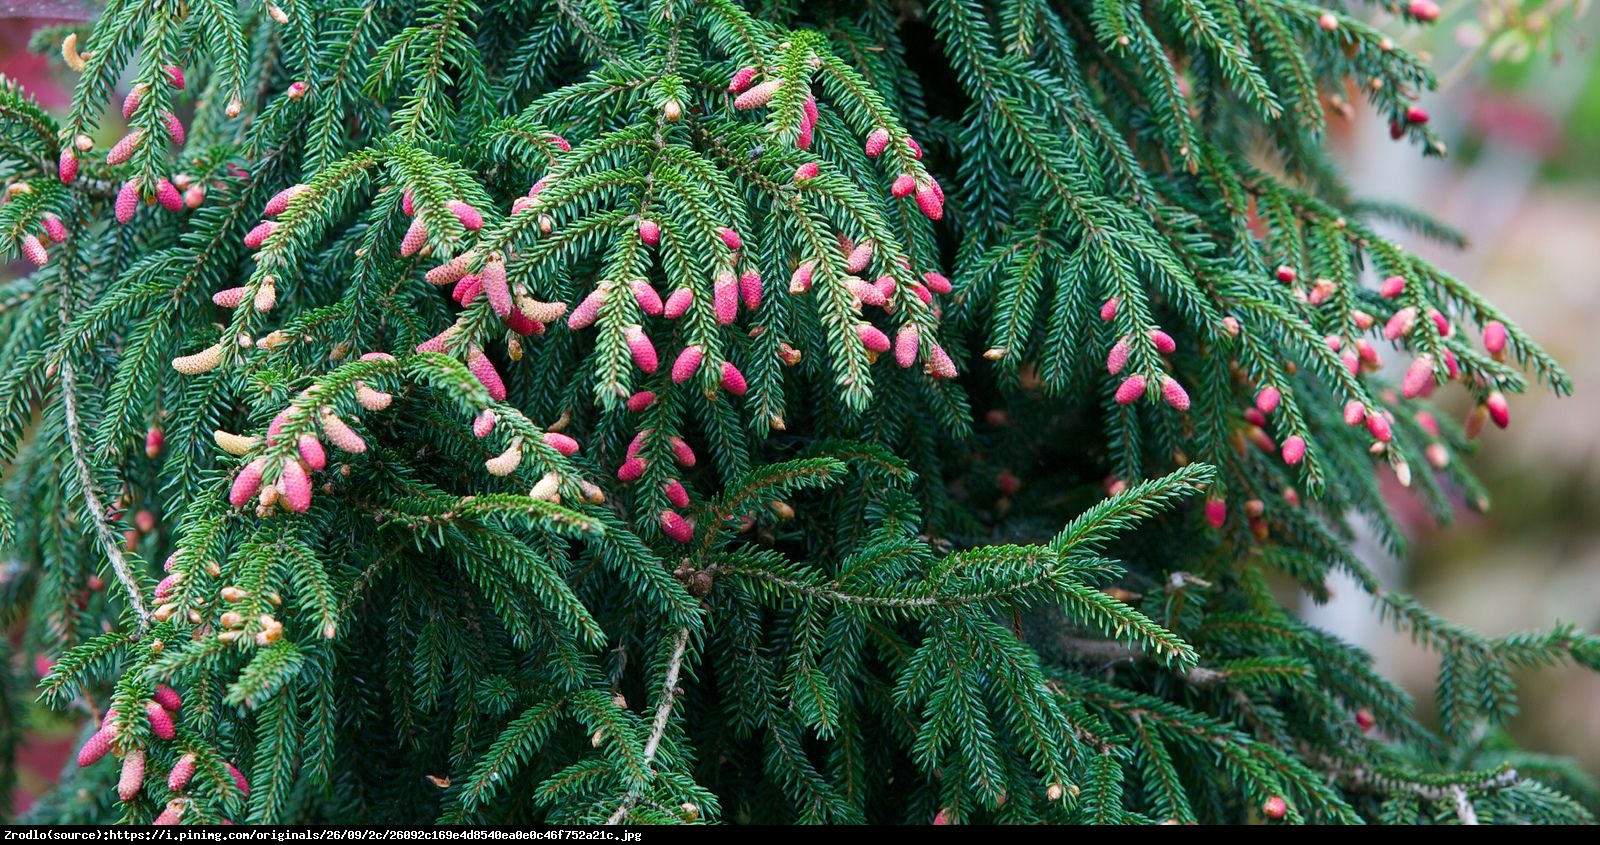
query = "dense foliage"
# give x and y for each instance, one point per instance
(585, 410)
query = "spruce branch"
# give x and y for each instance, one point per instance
(658, 724)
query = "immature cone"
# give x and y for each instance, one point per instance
(296, 486)
(1163, 341)
(170, 815)
(1418, 378)
(561, 443)
(1400, 324)
(677, 303)
(1117, 358)
(1378, 426)
(33, 250)
(1476, 419)
(858, 257)
(506, 462)
(1275, 808)
(903, 186)
(256, 237)
(194, 196)
(340, 434)
(906, 342)
(97, 745)
(647, 297)
(123, 149)
(937, 282)
(642, 350)
(741, 79)
(483, 370)
(873, 339)
(877, 142)
(174, 127)
(1108, 309)
(132, 780)
(1130, 389)
(1294, 449)
(930, 200)
(687, 363)
(547, 488)
(939, 363)
(67, 166)
(757, 96)
(239, 780)
(470, 219)
(641, 400)
(1494, 338)
(1354, 413)
(280, 201)
(1174, 393)
(416, 235)
(127, 200)
(807, 172)
(800, 281)
(733, 381)
(730, 238)
(160, 721)
(203, 361)
(682, 452)
(1267, 400)
(676, 527)
(234, 444)
(370, 399)
(167, 194)
(588, 310)
(182, 772)
(495, 287)
(751, 289)
(1426, 11)
(1392, 286)
(468, 289)
(631, 469)
(649, 232)
(1216, 512)
(725, 298)
(676, 494)
(483, 423)
(1499, 410)
(54, 229)
(266, 295)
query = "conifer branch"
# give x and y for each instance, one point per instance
(658, 725)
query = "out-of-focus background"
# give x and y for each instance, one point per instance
(1519, 107)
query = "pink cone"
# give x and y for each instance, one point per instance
(495, 287)
(641, 400)
(33, 250)
(688, 361)
(1392, 287)
(676, 494)
(182, 772)
(1108, 309)
(1400, 324)
(1174, 393)
(296, 486)
(561, 443)
(758, 96)
(97, 745)
(340, 434)
(468, 289)
(1428, 423)
(168, 196)
(678, 303)
(160, 721)
(930, 201)
(649, 232)
(130, 103)
(449, 272)
(1499, 409)
(53, 227)
(906, 342)
(751, 289)
(682, 452)
(238, 780)
(132, 780)
(1294, 449)
(733, 381)
(67, 166)
(408, 202)
(588, 310)
(873, 339)
(1426, 11)
(174, 127)
(483, 423)
(1441, 322)
(725, 298)
(169, 815)
(642, 350)
(123, 149)
(280, 201)
(741, 80)
(483, 370)
(127, 200)
(416, 235)
(937, 282)
(1117, 358)
(1354, 413)
(1418, 378)
(730, 238)
(1378, 426)
(1494, 337)
(1130, 389)
(807, 172)
(1267, 399)
(470, 219)
(877, 142)
(630, 470)
(168, 697)
(1163, 341)
(1216, 512)
(939, 363)
(1254, 416)
(916, 148)
(649, 301)
(676, 526)
(246, 483)
(857, 259)
(256, 237)
(1452, 368)
(800, 281)
(903, 186)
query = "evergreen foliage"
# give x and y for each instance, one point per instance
(715, 501)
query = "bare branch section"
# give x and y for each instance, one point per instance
(1110, 651)
(658, 728)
